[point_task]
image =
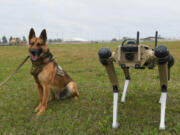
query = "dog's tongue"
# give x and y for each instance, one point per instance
(34, 57)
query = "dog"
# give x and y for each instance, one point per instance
(52, 82)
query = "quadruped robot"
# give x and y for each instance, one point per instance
(139, 56)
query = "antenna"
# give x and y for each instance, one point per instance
(137, 40)
(156, 36)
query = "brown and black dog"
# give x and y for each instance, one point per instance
(50, 79)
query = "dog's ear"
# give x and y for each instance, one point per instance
(43, 35)
(31, 34)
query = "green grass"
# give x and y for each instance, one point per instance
(91, 114)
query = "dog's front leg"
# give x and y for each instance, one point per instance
(46, 92)
(40, 94)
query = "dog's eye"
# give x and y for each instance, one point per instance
(32, 43)
(38, 44)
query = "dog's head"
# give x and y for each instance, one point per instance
(37, 45)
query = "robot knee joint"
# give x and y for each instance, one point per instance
(162, 53)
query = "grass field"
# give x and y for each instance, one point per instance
(92, 113)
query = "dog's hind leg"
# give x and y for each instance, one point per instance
(51, 96)
(63, 95)
(127, 77)
(75, 92)
(70, 91)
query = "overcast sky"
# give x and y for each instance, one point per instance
(90, 19)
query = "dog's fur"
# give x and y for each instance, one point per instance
(46, 79)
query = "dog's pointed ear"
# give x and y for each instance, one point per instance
(43, 35)
(31, 34)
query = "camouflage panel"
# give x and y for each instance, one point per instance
(147, 57)
(138, 56)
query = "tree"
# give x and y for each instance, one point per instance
(24, 39)
(50, 40)
(4, 40)
(114, 40)
(124, 38)
(10, 38)
(59, 40)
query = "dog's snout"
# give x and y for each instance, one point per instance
(33, 52)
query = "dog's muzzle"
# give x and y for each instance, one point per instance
(35, 54)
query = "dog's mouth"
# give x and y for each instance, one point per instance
(35, 54)
(34, 57)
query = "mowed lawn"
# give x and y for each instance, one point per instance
(91, 114)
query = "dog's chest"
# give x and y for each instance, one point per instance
(46, 76)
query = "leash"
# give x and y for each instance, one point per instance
(20, 65)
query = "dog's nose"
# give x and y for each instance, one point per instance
(33, 52)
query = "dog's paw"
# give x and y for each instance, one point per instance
(37, 108)
(41, 110)
(76, 97)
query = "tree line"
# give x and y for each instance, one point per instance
(23, 40)
(4, 40)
